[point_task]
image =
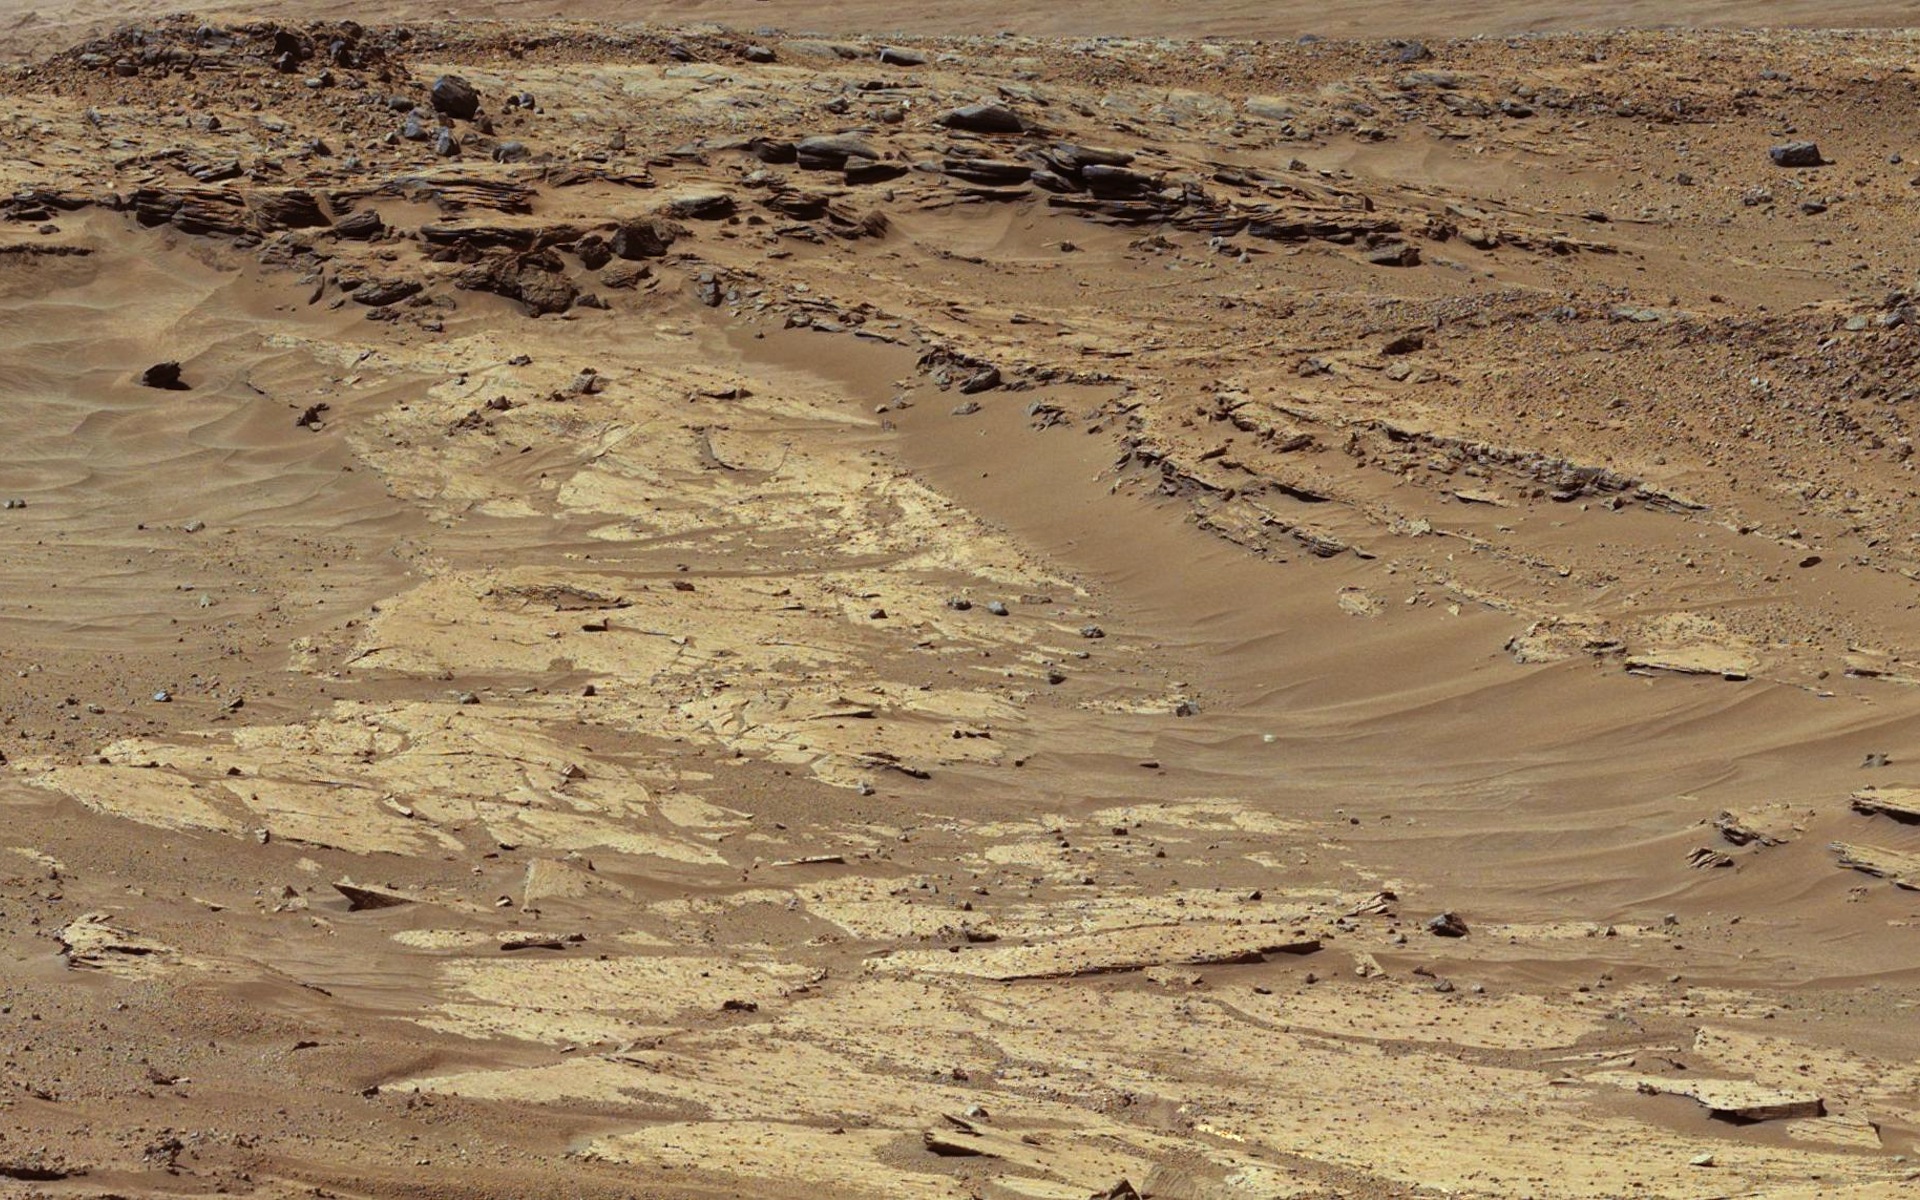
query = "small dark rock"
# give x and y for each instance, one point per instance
(1394, 254)
(382, 292)
(361, 226)
(861, 172)
(1447, 925)
(772, 150)
(831, 152)
(1796, 154)
(1116, 183)
(625, 276)
(593, 251)
(702, 206)
(983, 381)
(642, 239)
(982, 118)
(164, 375)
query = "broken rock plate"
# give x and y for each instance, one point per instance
(1107, 952)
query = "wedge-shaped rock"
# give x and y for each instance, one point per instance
(1895, 866)
(1900, 803)
(1108, 952)
(360, 899)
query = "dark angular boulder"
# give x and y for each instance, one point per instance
(454, 96)
(1796, 154)
(643, 239)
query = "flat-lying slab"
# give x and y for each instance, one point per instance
(1108, 952)
(1737, 1099)
(1895, 866)
(1693, 660)
(1900, 803)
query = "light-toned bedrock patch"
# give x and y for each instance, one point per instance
(776, 1155)
(407, 778)
(887, 1078)
(600, 1000)
(1200, 814)
(1402, 1013)
(1349, 1105)
(155, 797)
(849, 734)
(1307, 1083)
(1688, 643)
(913, 908)
(772, 667)
(476, 624)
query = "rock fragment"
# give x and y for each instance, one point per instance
(831, 152)
(454, 96)
(1796, 154)
(364, 225)
(164, 375)
(361, 899)
(982, 118)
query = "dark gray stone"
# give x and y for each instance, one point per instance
(1796, 154)
(455, 97)
(982, 118)
(831, 152)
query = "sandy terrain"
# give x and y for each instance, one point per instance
(1020, 617)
